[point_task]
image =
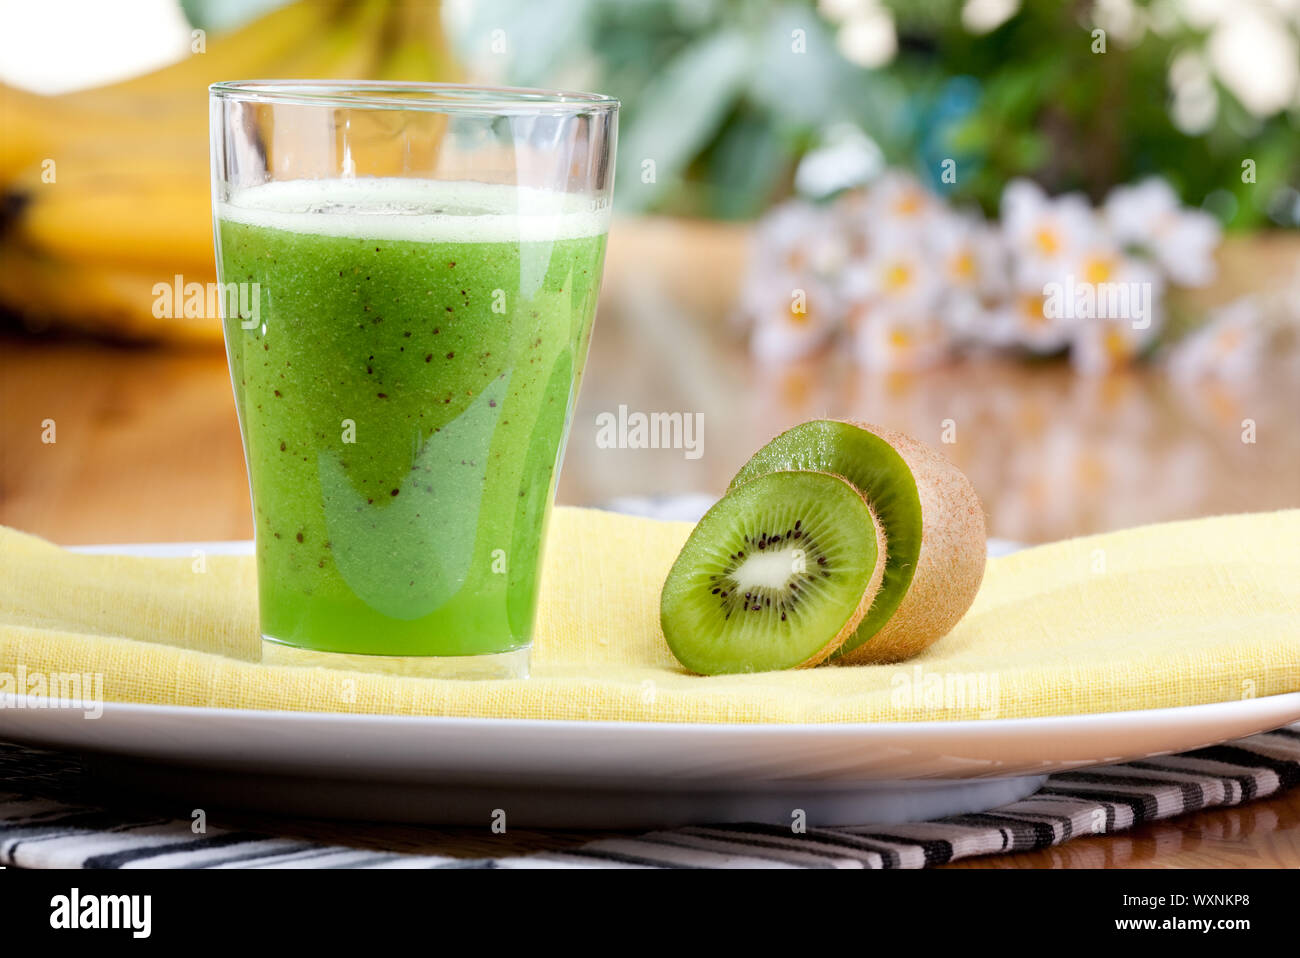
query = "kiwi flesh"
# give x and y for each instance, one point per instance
(777, 575)
(932, 518)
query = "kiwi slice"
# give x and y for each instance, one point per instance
(933, 522)
(775, 576)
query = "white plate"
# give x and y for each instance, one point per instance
(611, 774)
(608, 774)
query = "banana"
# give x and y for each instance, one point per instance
(173, 98)
(168, 223)
(244, 53)
(147, 201)
(128, 206)
(350, 50)
(38, 128)
(418, 48)
(415, 49)
(103, 300)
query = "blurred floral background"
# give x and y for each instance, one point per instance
(911, 212)
(739, 102)
(949, 158)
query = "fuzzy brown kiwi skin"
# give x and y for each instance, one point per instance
(868, 597)
(950, 567)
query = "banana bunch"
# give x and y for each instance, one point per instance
(105, 193)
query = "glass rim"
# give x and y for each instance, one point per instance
(408, 95)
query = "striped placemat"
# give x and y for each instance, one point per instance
(43, 824)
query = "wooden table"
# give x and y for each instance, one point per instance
(147, 450)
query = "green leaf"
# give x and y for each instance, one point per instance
(679, 113)
(805, 85)
(542, 38)
(745, 167)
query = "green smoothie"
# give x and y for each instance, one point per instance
(404, 395)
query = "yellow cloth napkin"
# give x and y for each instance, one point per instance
(1175, 614)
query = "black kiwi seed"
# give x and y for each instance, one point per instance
(798, 615)
(756, 600)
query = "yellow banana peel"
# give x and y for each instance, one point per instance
(103, 300)
(106, 192)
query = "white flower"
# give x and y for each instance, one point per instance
(1256, 56)
(798, 237)
(971, 261)
(796, 325)
(1122, 288)
(890, 338)
(985, 16)
(866, 35)
(909, 279)
(1107, 303)
(1044, 232)
(970, 256)
(1231, 346)
(898, 204)
(1149, 215)
(845, 159)
(796, 247)
(1022, 319)
(971, 321)
(1038, 311)
(901, 274)
(1100, 345)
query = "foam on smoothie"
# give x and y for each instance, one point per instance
(418, 210)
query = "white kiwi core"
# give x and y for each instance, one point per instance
(772, 570)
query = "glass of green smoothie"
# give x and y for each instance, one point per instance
(408, 277)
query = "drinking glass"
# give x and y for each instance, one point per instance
(408, 275)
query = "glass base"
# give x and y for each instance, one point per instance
(497, 665)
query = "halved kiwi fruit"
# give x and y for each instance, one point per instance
(933, 522)
(777, 575)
